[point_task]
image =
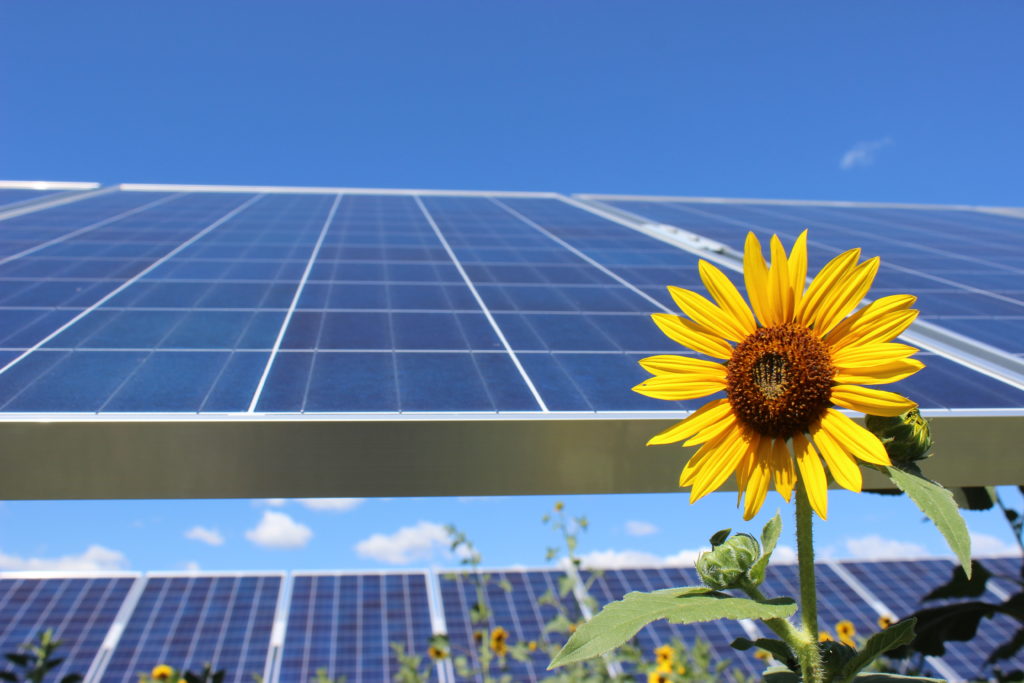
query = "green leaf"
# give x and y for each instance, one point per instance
(898, 634)
(777, 648)
(619, 621)
(769, 538)
(20, 660)
(938, 504)
(719, 537)
(960, 586)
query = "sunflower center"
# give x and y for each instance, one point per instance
(780, 380)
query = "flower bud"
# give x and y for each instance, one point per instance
(728, 563)
(906, 437)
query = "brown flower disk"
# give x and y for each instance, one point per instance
(780, 380)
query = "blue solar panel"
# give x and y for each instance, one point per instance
(10, 197)
(901, 585)
(517, 610)
(345, 624)
(79, 610)
(187, 621)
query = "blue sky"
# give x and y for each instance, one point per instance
(910, 102)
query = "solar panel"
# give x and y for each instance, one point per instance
(901, 585)
(79, 610)
(517, 610)
(434, 325)
(345, 624)
(185, 621)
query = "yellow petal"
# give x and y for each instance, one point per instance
(728, 297)
(882, 373)
(691, 335)
(757, 487)
(700, 458)
(855, 440)
(707, 414)
(782, 469)
(727, 421)
(850, 292)
(721, 464)
(780, 288)
(683, 365)
(868, 316)
(798, 268)
(755, 274)
(833, 272)
(857, 355)
(749, 461)
(870, 401)
(812, 474)
(707, 314)
(841, 464)
(679, 387)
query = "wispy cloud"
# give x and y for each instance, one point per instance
(331, 504)
(204, 535)
(638, 528)
(875, 547)
(418, 542)
(95, 558)
(278, 530)
(991, 546)
(619, 559)
(863, 153)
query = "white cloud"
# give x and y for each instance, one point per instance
(784, 554)
(95, 558)
(204, 535)
(278, 530)
(270, 502)
(617, 559)
(192, 566)
(637, 528)
(875, 547)
(331, 504)
(991, 546)
(409, 543)
(863, 153)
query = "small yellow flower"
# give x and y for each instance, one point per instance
(664, 654)
(182, 680)
(680, 669)
(161, 672)
(499, 641)
(763, 656)
(785, 373)
(657, 677)
(664, 667)
(824, 637)
(532, 646)
(846, 632)
(572, 628)
(885, 622)
(436, 652)
(559, 506)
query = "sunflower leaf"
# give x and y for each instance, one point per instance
(898, 634)
(621, 620)
(769, 538)
(938, 504)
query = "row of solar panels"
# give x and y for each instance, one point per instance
(286, 627)
(170, 301)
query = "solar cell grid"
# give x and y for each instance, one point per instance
(186, 621)
(345, 625)
(80, 611)
(10, 197)
(517, 610)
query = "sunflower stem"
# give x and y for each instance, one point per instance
(810, 658)
(794, 637)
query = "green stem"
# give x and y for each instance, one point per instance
(810, 659)
(792, 636)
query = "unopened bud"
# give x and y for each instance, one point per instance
(906, 437)
(727, 564)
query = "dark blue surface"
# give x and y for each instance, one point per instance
(186, 621)
(346, 623)
(10, 197)
(386, 322)
(79, 610)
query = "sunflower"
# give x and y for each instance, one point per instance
(846, 631)
(161, 672)
(499, 641)
(664, 654)
(784, 374)
(885, 621)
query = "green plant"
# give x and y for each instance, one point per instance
(36, 660)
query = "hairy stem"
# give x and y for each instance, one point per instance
(810, 659)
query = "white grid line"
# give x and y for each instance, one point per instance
(138, 276)
(295, 301)
(483, 306)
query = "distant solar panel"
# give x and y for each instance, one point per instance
(345, 624)
(462, 321)
(187, 621)
(79, 610)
